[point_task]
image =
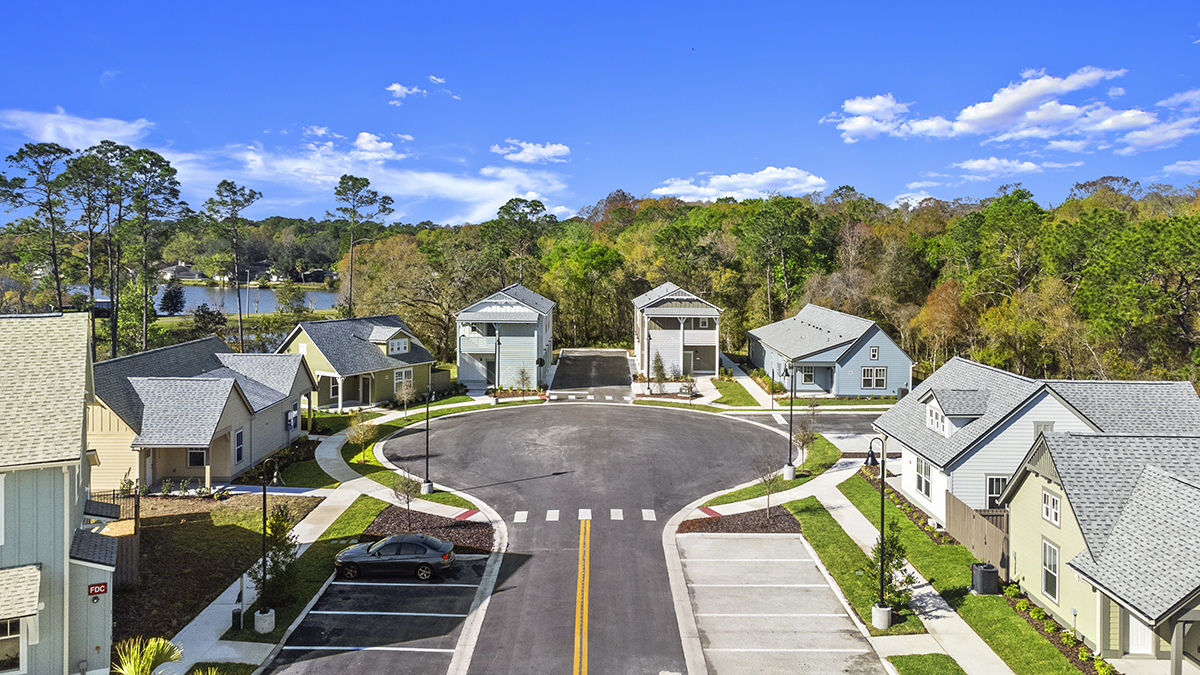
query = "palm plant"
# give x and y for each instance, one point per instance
(144, 656)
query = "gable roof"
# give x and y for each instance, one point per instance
(276, 371)
(962, 402)
(670, 291)
(47, 366)
(529, 306)
(182, 412)
(813, 329)
(528, 298)
(1114, 407)
(1137, 501)
(348, 347)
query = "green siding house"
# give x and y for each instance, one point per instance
(56, 568)
(362, 361)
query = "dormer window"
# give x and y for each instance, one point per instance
(398, 346)
(934, 419)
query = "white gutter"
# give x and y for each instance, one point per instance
(67, 532)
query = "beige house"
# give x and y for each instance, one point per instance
(193, 411)
(1103, 536)
(364, 361)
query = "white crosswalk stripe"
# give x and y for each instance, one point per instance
(607, 398)
(779, 419)
(553, 397)
(555, 515)
(585, 514)
(571, 396)
(591, 397)
(552, 515)
(521, 516)
(616, 514)
(628, 398)
(647, 514)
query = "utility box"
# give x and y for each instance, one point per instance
(237, 618)
(985, 579)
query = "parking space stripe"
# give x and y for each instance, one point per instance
(520, 516)
(790, 650)
(648, 514)
(591, 397)
(745, 560)
(552, 515)
(457, 616)
(368, 649)
(396, 583)
(758, 585)
(571, 396)
(585, 514)
(553, 397)
(827, 616)
(616, 514)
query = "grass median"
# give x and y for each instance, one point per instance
(676, 404)
(845, 562)
(926, 664)
(947, 567)
(822, 456)
(313, 569)
(733, 393)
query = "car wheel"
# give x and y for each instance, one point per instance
(424, 572)
(350, 571)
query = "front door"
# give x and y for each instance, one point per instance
(490, 366)
(687, 362)
(365, 390)
(1141, 638)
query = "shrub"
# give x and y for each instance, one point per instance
(1037, 613)
(1069, 639)
(1012, 591)
(144, 489)
(1050, 625)
(126, 487)
(1085, 654)
(167, 485)
(1022, 605)
(184, 485)
(1105, 668)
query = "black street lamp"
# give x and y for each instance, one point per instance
(276, 481)
(881, 613)
(789, 470)
(427, 485)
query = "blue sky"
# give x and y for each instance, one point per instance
(453, 108)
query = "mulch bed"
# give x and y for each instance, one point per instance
(517, 394)
(1071, 653)
(914, 512)
(669, 397)
(750, 522)
(467, 536)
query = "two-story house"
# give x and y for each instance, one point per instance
(507, 335)
(193, 411)
(831, 354)
(56, 569)
(963, 432)
(361, 361)
(1102, 535)
(678, 326)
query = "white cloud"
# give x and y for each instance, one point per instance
(1188, 100)
(400, 92)
(993, 167)
(1069, 146)
(71, 131)
(369, 147)
(868, 117)
(108, 76)
(437, 80)
(1060, 165)
(532, 153)
(788, 180)
(917, 185)
(1116, 92)
(404, 137)
(910, 199)
(1189, 167)
(1161, 135)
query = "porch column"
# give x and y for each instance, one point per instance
(208, 468)
(1178, 631)
(341, 391)
(1102, 623)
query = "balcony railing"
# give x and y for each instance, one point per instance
(473, 344)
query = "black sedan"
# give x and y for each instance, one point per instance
(409, 553)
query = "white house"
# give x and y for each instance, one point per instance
(681, 328)
(504, 335)
(965, 430)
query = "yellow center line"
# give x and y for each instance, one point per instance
(583, 582)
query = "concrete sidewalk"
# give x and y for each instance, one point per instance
(947, 629)
(763, 398)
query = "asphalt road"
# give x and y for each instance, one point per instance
(596, 372)
(568, 457)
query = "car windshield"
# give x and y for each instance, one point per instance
(376, 546)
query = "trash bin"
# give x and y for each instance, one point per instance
(237, 618)
(985, 579)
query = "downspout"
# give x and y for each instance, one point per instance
(68, 531)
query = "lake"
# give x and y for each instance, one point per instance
(254, 300)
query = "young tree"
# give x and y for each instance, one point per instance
(897, 580)
(769, 476)
(361, 432)
(523, 380)
(406, 490)
(807, 429)
(658, 372)
(404, 393)
(171, 302)
(275, 583)
(223, 218)
(360, 205)
(42, 189)
(208, 320)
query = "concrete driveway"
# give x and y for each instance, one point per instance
(762, 605)
(592, 375)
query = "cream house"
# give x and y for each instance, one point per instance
(193, 411)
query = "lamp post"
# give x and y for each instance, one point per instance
(427, 485)
(496, 369)
(881, 613)
(789, 469)
(276, 481)
(771, 388)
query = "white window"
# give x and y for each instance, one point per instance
(704, 323)
(398, 346)
(934, 419)
(1049, 570)
(995, 487)
(238, 446)
(333, 387)
(196, 457)
(1050, 507)
(400, 377)
(12, 647)
(874, 378)
(924, 472)
(806, 374)
(874, 353)
(292, 417)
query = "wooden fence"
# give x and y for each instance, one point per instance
(128, 557)
(984, 532)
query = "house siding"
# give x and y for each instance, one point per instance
(935, 504)
(1001, 451)
(111, 439)
(857, 357)
(91, 622)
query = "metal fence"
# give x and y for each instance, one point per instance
(984, 532)
(114, 497)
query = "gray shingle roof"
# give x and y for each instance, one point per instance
(44, 398)
(95, 548)
(180, 411)
(654, 294)
(962, 402)
(19, 589)
(101, 510)
(527, 297)
(812, 330)
(188, 359)
(277, 371)
(346, 344)
(671, 292)
(1125, 407)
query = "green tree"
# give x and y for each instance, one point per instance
(171, 302)
(154, 202)
(42, 189)
(118, 205)
(276, 584)
(360, 204)
(514, 234)
(897, 580)
(208, 320)
(223, 219)
(88, 180)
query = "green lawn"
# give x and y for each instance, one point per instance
(675, 404)
(845, 560)
(325, 423)
(451, 366)
(823, 455)
(223, 668)
(453, 399)
(948, 569)
(801, 402)
(314, 568)
(733, 393)
(307, 474)
(926, 664)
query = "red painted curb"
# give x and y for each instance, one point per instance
(709, 512)
(466, 514)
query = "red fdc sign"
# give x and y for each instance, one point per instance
(97, 589)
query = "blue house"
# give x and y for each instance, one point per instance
(833, 354)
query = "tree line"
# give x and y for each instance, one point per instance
(1104, 285)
